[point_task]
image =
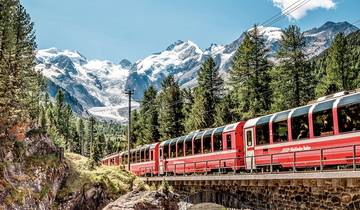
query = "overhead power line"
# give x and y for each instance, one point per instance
(291, 10)
(280, 13)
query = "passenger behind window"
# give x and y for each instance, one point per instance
(304, 130)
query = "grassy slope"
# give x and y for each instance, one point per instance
(115, 180)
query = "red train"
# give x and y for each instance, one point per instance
(325, 133)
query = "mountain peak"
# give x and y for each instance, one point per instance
(344, 27)
(330, 25)
(125, 63)
(173, 45)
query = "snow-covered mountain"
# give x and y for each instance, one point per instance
(98, 86)
(184, 58)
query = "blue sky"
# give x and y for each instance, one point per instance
(133, 29)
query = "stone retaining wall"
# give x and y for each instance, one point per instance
(274, 194)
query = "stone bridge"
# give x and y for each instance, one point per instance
(305, 190)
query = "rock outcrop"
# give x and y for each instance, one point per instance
(139, 200)
(31, 172)
(92, 197)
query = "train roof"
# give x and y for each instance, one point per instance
(231, 127)
(111, 155)
(191, 135)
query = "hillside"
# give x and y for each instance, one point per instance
(319, 62)
(105, 183)
(34, 174)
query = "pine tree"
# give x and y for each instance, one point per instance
(59, 111)
(75, 144)
(188, 97)
(67, 126)
(339, 73)
(149, 116)
(136, 129)
(197, 118)
(20, 86)
(225, 111)
(292, 79)
(170, 109)
(81, 132)
(91, 129)
(96, 151)
(249, 76)
(207, 95)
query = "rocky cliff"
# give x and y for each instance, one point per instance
(35, 174)
(139, 200)
(31, 172)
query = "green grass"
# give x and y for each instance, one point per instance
(114, 180)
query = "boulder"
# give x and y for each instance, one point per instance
(139, 200)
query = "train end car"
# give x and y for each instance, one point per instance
(112, 159)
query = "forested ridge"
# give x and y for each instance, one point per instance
(255, 86)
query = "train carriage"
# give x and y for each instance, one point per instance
(203, 151)
(143, 160)
(112, 159)
(318, 135)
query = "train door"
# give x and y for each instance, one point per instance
(249, 148)
(161, 161)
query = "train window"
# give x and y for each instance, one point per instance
(197, 144)
(173, 149)
(180, 146)
(151, 157)
(136, 153)
(161, 153)
(323, 123)
(300, 127)
(279, 127)
(138, 156)
(348, 113)
(141, 155)
(280, 131)
(133, 157)
(218, 145)
(125, 160)
(300, 123)
(349, 118)
(207, 142)
(188, 144)
(147, 154)
(228, 141)
(262, 134)
(263, 131)
(323, 119)
(166, 151)
(249, 138)
(188, 148)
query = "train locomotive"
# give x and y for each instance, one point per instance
(323, 134)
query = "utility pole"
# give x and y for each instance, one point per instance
(129, 92)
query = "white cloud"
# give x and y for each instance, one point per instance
(301, 11)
